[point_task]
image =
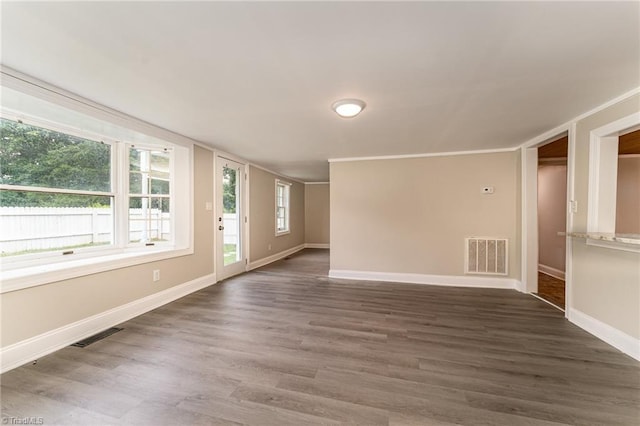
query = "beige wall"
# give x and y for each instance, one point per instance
(32, 311)
(262, 206)
(316, 213)
(628, 196)
(412, 215)
(606, 282)
(552, 215)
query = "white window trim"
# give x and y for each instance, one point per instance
(126, 196)
(25, 272)
(287, 185)
(32, 276)
(603, 166)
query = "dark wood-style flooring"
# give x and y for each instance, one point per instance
(551, 289)
(285, 345)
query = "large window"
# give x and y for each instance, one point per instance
(85, 189)
(61, 193)
(282, 207)
(57, 192)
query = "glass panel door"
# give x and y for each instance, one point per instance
(230, 218)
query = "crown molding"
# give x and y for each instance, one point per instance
(423, 155)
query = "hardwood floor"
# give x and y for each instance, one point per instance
(551, 289)
(285, 345)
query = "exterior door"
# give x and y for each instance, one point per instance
(230, 218)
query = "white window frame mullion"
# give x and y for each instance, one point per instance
(172, 191)
(121, 208)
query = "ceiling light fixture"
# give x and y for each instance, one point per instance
(348, 108)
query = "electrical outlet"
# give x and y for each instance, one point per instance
(269, 247)
(156, 275)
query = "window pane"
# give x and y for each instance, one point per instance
(161, 204)
(32, 222)
(229, 190)
(159, 165)
(134, 159)
(135, 183)
(138, 184)
(231, 216)
(149, 219)
(149, 171)
(159, 186)
(33, 156)
(231, 241)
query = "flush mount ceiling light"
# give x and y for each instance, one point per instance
(348, 108)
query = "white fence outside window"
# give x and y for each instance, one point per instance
(26, 229)
(230, 221)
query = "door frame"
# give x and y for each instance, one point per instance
(529, 177)
(218, 158)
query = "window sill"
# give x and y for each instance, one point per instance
(32, 276)
(624, 242)
(281, 233)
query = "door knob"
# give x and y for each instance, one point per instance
(220, 227)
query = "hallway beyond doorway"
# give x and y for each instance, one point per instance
(551, 289)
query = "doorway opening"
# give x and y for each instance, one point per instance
(552, 221)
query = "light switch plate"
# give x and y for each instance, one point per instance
(573, 206)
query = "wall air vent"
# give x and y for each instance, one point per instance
(486, 256)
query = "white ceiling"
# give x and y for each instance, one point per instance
(257, 79)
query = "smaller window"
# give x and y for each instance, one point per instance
(282, 207)
(149, 195)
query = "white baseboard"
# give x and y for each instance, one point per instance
(555, 273)
(611, 335)
(444, 280)
(316, 245)
(275, 257)
(20, 353)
